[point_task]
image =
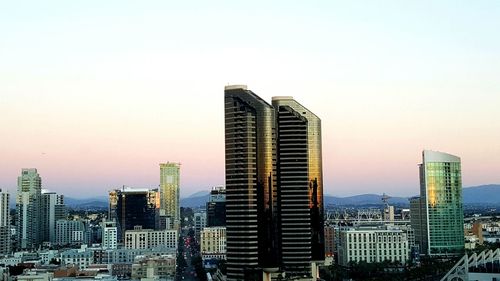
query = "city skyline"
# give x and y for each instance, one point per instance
(95, 97)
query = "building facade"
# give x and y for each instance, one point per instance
(170, 192)
(28, 225)
(72, 232)
(109, 235)
(439, 230)
(148, 238)
(5, 241)
(274, 189)
(131, 207)
(52, 209)
(300, 186)
(251, 203)
(213, 243)
(372, 244)
(200, 222)
(216, 207)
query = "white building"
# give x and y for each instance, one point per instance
(71, 232)
(148, 238)
(213, 243)
(373, 244)
(109, 235)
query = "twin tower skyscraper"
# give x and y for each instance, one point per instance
(274, 187)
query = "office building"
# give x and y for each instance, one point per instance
(52, 209)
(437, 215)
(130, 207)
(28, 225)
(170, 192)
(274, 189)
(139, 238)
(4, 223)
(213, 243)
(200, 222)
(373, 244)
(300, 186)
(216, 207)
(109, 235)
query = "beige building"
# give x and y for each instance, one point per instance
(170, 192)
(213, 243)
(148, 238)
(154, 267)
(373, 244)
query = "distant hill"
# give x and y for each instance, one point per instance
(483, 194)
(99, 203)
(197, 199)
(363, 199)
(486, 194)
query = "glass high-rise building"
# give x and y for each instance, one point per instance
(28, 224)
(274, 189)
(300, 186)
(440, 227)
(170, 193)
(251, 218)
(131, 207)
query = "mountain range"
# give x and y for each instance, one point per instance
(483, 194)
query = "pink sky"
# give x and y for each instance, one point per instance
(97, 98)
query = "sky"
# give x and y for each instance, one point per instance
(95, 94)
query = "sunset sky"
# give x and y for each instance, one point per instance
(95, 94)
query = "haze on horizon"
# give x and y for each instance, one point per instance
(96, 94)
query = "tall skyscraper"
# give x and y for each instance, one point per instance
(170, 192)
(274, 191)
(251, 218)
(439, 220)
(130, 207)
(300, 186)
(4, 223)
(29, 186)
(52, 210)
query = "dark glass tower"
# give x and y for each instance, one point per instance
(133, 207)
(300, 187)
(250, 185)
(274, 187)
(216, 207)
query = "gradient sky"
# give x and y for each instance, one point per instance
(95, 94)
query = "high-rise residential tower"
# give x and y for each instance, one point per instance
(251, 217)
(52, 209)
(439, 219)
(300, 186)
(4, 223)
(274, 189)
(28, 224)
(170, 192)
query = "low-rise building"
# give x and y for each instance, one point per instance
(148, 238)
(373, 244)
(161, 266)
(213, 243)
